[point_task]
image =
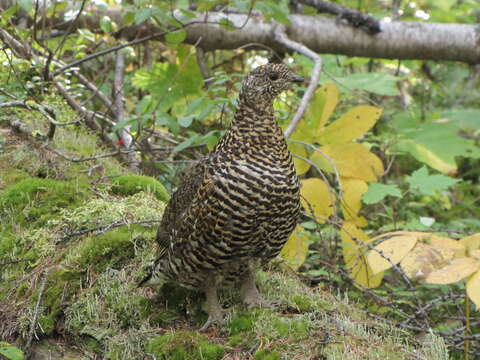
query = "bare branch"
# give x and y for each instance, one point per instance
(281, 37)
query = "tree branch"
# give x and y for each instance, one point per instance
(281, 37)
(355, 18)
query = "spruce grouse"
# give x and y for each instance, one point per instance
(236, 208)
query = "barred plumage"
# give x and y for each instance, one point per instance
(235, 209)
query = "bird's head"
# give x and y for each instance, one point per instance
(266, 82)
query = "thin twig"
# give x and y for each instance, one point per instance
(35, 313)
(105, 227)
(282, 38)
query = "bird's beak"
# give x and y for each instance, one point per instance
(297, 79)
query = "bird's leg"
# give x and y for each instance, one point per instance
(249, 292)
(212, 306)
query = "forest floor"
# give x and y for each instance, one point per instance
(75, 239)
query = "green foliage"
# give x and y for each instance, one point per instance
(376, 83)
(378, 191)
(132, 184)
(264, 354)
(429, 184)
(10, 352)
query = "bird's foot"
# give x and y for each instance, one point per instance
(214, 319)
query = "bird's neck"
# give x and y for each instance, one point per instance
(254, 128)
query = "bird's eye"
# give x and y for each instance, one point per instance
(273, 76)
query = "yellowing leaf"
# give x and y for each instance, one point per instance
(322, 105)
(352, 191)
(456, 270)
(294, 252)
(353, 249)
(446, 246)
(300, 165)
(473, 289)
(363, 275)
(352, 239)
(471, 243)
(429, 157)
(352, 160)
(350, 126)
(475, 254)
(422, 260)
(390, 252)
(316, 196)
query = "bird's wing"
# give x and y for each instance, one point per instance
(180, 202)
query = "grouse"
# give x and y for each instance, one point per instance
(235, 209)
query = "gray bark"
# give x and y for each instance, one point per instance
(398, 40)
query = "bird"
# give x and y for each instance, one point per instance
(236, 208)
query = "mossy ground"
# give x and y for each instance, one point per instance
(63, 266)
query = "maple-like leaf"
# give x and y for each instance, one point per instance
(428, 184)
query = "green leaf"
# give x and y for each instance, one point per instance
(227, 24)
(128, 18)
(188, 14)
(186, 121)
(190, 141)
(429, 184)
(7, 14)
(176, 37)
(437, 145)
(468, 119)
(272, 10)
(377, 83)
(106, 24)
(378, 191)
(206, 5)
(142, 15)
(10, 352)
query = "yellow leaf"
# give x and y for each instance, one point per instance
(446, 246)
(352, 160)
(471, 243)
(473, 289)
(350, 126)
(316, 196)
(456, 270)
(352, 239)
(422, 260)
(294, 252)
(322, 105)
(300, 165)
(475, 254)
(352, 191)
(363, 275)
(390, 252)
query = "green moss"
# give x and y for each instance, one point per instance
(266, 355)
(132, 184)
(184, 345)
(108, 249)
(241, 324)
(36, 200)
(47, 324)
(303, 304)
